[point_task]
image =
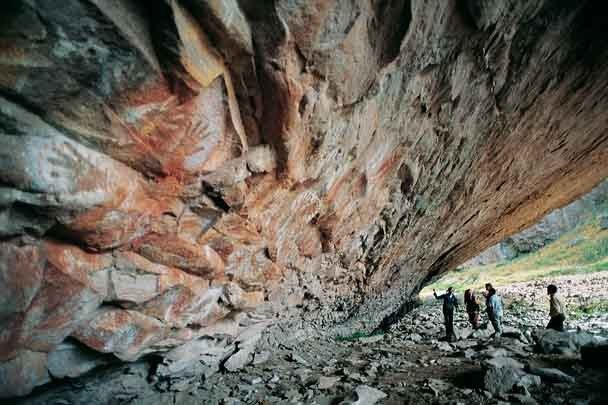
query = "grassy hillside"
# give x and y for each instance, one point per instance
(582, 250)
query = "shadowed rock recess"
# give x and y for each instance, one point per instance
(175, 175)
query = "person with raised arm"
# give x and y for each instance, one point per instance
(449, 304)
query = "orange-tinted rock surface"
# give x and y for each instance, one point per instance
(388, 142)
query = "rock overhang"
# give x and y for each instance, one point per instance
(376, 157)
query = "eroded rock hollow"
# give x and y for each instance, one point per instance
(181, 170)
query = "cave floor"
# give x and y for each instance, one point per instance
(409, 364)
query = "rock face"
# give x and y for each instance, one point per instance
(166, 171)
(550, 228)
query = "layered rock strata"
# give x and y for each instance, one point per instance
(176, 171)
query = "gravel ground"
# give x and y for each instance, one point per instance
(410, 364)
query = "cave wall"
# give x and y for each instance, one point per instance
(385, 142)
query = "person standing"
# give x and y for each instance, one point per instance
(556, 310)
(493, 308)
(472, 308)
(449, 304)
(487, 291)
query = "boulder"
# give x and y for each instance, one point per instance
(21, 277)
(551, 375)
(72, 360)
(367, 395)
(595, 355)
(511, 332)
(21, 274)
(182, 368)
(128, 382)
(180, 306)
(66, 298)
(501, 374)
(502, 380)
(492, 352)
(125, 333)
(528, 381)
(245, 343)
(482, 333)
(550, 341)
(20, 375)
(239, 359)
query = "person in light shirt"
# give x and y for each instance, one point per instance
(494, 309)
(556, 310)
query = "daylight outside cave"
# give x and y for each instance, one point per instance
(231, 201)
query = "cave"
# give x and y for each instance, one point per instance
(183, 181)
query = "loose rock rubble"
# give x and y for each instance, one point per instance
(410, 363)
(575, 291)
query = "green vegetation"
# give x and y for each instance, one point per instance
(582, 250)
(591, 308)
(596, 250)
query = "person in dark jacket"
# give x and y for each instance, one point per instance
(472, 308)
(449, 304)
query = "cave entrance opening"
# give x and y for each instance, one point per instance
(567, 248)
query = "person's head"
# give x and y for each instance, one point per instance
(489, 287)
(551, 289)
(450, 290)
